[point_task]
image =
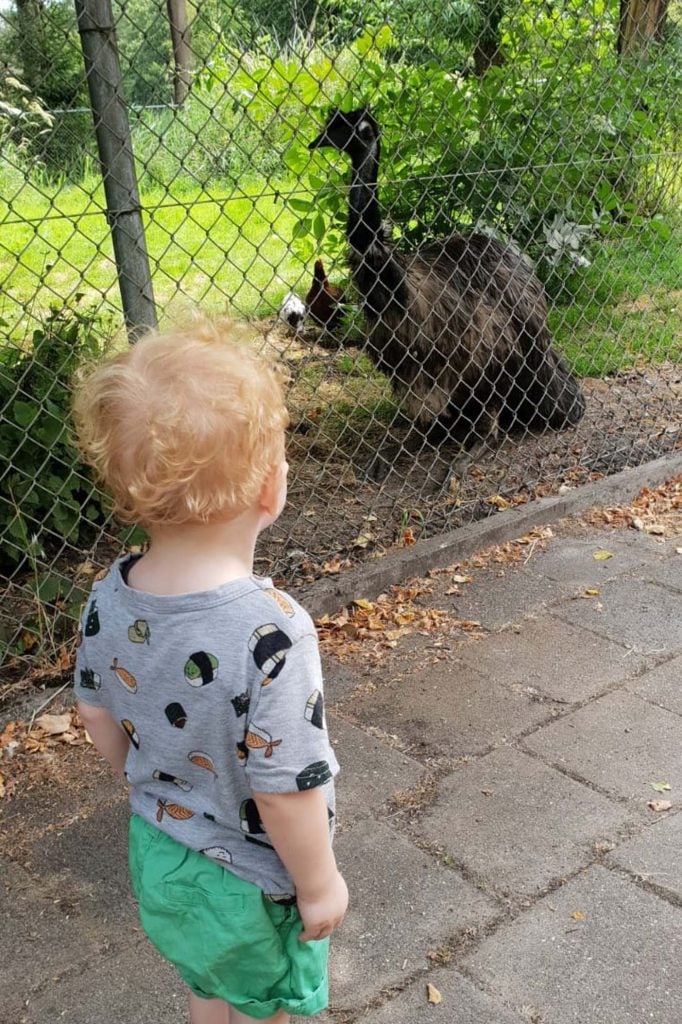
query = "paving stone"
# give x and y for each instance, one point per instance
(371, 771)
(619, 742)
(498, 597)
(620, 964)
(340, 680)
(90, 860)
(668, 573)
(573, 561)
(633, 613)
(134, 987)
(463, 1003)
(403, 904)
(516, 824)
(654, 855)
(662, 685)
(448, 711)
(39, 938)
(558, 660)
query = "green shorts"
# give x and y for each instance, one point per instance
(225, 938)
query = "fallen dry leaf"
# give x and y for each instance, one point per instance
(661, 787)
(53, 725)
(602, 555)
(433, 995)
(364, 539)
(659, 805)
(592, 592)
(498, 501)
(578, 915)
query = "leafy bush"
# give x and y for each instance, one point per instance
(561, 135)
(47, 496)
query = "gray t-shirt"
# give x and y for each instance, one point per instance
(220, 694)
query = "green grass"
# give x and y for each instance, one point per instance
(233, 251)
(204, 249)
(627, 308)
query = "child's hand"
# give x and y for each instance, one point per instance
(322, 912)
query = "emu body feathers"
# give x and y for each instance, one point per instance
(460, 326)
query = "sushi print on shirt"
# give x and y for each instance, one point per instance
(221, 695)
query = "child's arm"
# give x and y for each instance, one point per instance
(108, 737)
(297, 825)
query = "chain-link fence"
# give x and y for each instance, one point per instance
(473, 275)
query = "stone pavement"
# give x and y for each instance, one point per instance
(495, 829)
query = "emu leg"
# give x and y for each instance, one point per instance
(471, 432)
(383, 460)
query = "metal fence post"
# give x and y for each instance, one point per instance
(124, 212)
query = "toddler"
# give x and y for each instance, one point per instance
(201, 682)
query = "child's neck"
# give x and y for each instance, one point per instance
(196, 556)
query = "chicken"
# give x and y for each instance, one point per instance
(293, 312)
(324, 299)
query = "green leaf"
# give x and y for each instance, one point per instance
(301, 228)
(319, 227)
(24, 412)
(300, 205)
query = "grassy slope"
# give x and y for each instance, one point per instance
(234, 250)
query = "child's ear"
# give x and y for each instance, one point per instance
(268, 499)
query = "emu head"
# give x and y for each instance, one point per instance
(355, 132)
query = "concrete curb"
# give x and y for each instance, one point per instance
(372, 578)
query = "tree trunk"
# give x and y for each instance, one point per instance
(181, 35)
(641, 22)
(487, 50)
(32, 44)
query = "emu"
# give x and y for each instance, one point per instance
(459, 326)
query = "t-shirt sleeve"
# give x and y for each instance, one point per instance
(286, 741)
(88, 682)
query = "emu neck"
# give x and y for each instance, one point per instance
(364, 219)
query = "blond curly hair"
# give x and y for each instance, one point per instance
(184, 426)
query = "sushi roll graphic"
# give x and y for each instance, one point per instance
(132, 732)
(201, 668)
(176, 811)
(242, 752)
(269, 645)
(176, 715)
(124, 677)
(90, 680)
(240, 703)
(282, 601)
(218, 853)
(313, 775)
(201, 760)
(165, 777)
(92, 619)
(250, 822)
(314, 709)
(139, 632)
(249, 818)
(259, 739)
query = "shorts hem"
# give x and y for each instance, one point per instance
(312, 1004)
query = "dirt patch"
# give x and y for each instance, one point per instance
(342, 411)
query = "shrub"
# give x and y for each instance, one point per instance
(47, 497)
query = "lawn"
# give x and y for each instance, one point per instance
(208, 249)
(233, 251)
